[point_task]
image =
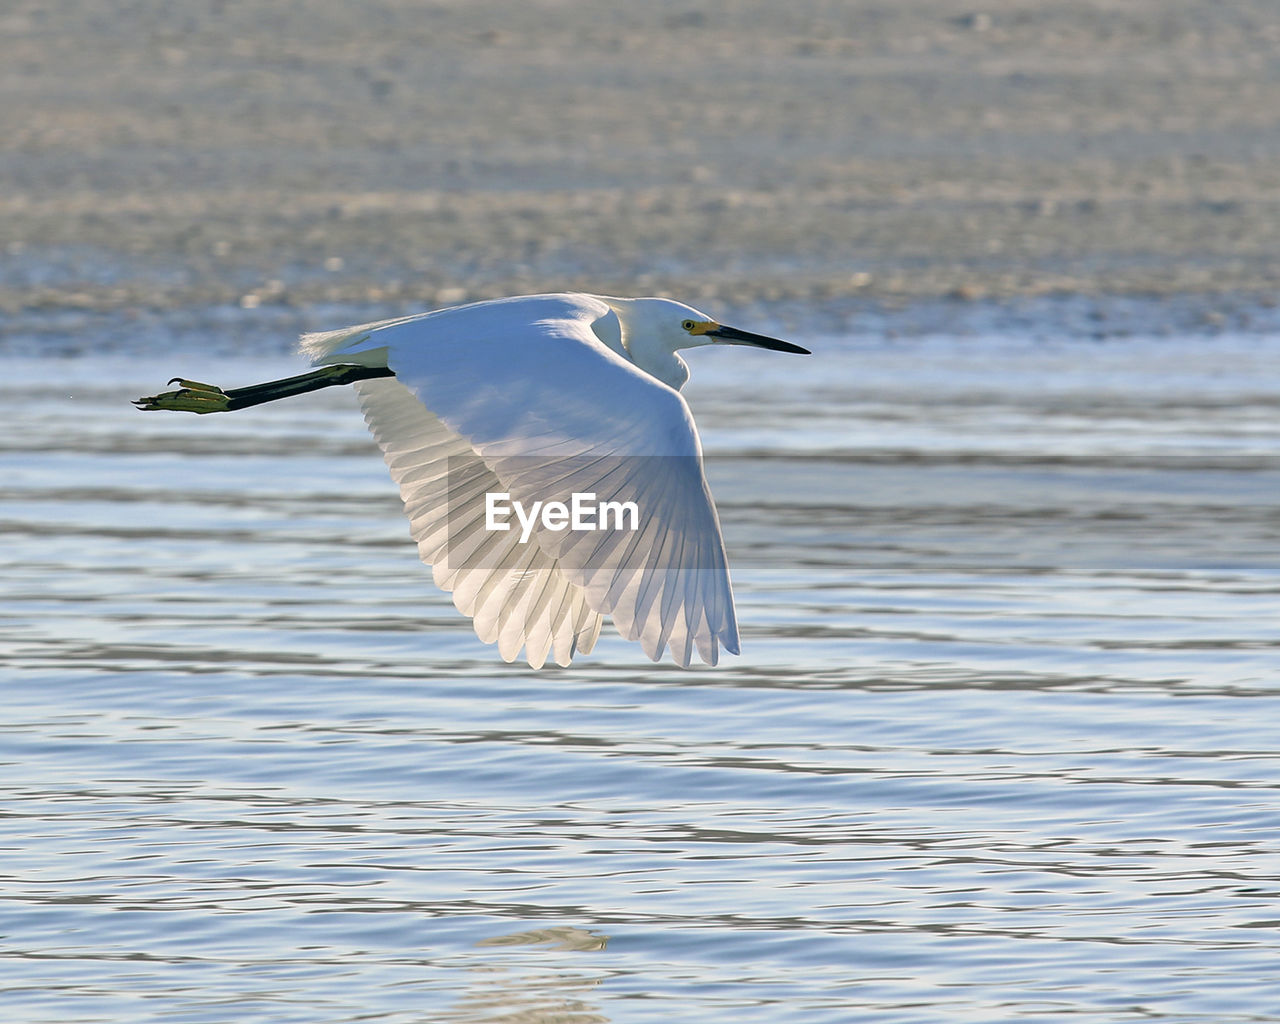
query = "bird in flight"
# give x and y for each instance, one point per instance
(549, 466)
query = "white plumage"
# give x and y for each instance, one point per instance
(541, 397)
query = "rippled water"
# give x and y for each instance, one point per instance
(1004, 743)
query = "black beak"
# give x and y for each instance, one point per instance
(733, 336)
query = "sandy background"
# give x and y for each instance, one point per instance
(155, 155)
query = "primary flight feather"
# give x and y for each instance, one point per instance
(533, 403)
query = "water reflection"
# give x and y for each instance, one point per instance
(526, 997)
(564, 938)
(527, 989)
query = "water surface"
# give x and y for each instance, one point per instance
(1003, 743)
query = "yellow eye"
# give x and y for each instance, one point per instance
(689, 325)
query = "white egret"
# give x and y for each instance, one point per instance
(541, 399)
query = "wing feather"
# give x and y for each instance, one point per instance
(540, 408)
(417, 447)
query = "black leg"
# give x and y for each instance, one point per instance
(203, 398)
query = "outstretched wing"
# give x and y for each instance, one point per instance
(522, 398)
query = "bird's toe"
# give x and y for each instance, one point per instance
(193, 396)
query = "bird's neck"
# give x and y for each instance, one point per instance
(640, 347)
(608, 329)
(668, 367)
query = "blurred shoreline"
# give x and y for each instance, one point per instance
(818, 163)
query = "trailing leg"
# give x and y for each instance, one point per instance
(201, 398)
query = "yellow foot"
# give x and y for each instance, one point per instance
(194, 397)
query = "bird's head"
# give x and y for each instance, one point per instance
(654, 329)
